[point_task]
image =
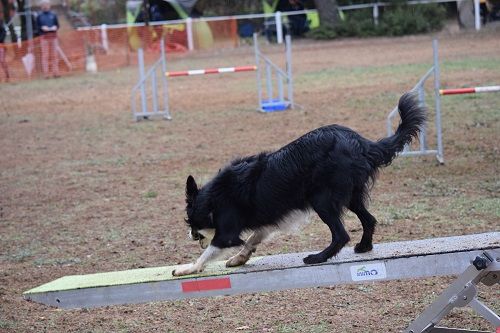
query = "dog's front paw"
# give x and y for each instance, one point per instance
(314, 259)
(186, 270)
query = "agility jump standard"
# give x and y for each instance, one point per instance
(434, 72)
(274, 89)
(423, 136)
(388, 261)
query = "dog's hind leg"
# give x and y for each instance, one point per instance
(246, 252)
(368, 222)
(330, 213)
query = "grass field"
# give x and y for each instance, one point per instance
(84, 189)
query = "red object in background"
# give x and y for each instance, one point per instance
(458, 91)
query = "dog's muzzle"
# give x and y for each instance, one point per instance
(196, 236)
(204, 242)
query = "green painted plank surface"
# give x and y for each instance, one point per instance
(133, 276)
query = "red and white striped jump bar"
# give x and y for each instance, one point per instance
(212, 71)
(474, 90)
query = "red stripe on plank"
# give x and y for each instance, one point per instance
(205, 285)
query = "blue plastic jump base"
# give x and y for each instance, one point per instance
(274, 105)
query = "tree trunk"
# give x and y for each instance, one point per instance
(328, 13)
(6, 17)
(146, 4)
(21, 8)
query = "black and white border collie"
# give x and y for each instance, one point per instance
(327, 170)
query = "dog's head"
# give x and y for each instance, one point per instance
(199, 214)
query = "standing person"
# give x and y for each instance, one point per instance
(48, 25)
(3, 62)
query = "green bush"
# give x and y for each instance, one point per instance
(322, 33)
(405, 20)
(396, 20)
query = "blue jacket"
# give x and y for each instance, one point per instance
(47, 18)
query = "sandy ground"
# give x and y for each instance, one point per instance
(85, 189)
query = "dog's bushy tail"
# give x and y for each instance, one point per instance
(413, 117)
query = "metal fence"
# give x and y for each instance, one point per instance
(278, 18)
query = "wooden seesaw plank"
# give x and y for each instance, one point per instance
(387, 261)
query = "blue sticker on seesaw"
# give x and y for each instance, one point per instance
(368, 272)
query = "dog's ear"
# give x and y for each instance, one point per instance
(191, 189)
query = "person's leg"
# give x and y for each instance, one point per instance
(3, 63)
(44, 46)
(55, 57)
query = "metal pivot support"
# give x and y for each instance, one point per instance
(461, 293)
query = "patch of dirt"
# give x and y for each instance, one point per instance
(85, 189)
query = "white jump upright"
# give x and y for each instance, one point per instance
(275, 79)
(147, 88)
(438, 92)
(388, 261)
(277, 96)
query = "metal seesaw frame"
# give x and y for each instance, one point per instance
(462, 292)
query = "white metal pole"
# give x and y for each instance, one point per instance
(423, 130)
(375, 14)
(189, 31)
(437, 97)
(477, 15)
(104, 37)
(164, 83)
(288, 41)
(279, 28)
(142, 75)
(257, 63)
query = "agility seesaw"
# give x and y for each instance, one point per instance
(388, 261)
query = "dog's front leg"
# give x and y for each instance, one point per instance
(246, 252)
(211, 253)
